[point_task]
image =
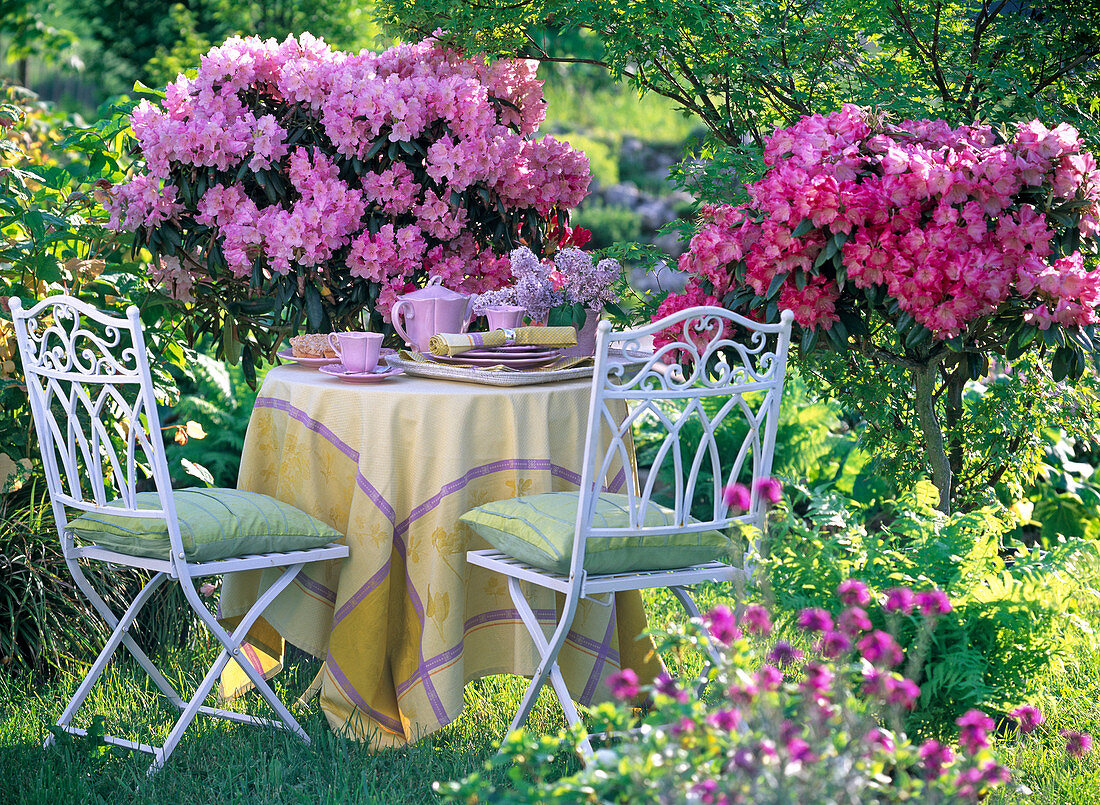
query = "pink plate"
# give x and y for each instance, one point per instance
(338, 371)
(512, 362)
(519, 350)
(287, 355)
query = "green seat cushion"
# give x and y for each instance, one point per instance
(538, 530)
(214, 524)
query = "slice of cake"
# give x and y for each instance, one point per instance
(311, 345)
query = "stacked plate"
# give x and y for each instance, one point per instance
(514, 357)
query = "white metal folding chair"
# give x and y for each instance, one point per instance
(736, 374)
(92, 398)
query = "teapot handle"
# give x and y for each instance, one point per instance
(466, 319)
(399, 309)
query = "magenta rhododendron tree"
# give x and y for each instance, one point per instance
(917, 245)
(288, 181)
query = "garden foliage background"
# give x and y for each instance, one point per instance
(671, 102)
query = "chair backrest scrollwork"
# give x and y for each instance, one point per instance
(94, 407)
(717, 364)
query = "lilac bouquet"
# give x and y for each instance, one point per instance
(569, 286)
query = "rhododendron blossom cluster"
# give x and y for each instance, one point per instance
(287, 160)
(930, 225)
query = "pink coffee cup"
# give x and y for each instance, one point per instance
(503, 317)
(357, 351)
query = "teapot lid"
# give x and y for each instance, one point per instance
(434, 290)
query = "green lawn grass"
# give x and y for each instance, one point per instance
(219, 762)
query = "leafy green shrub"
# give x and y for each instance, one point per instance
(1014, 612)
(608, 224)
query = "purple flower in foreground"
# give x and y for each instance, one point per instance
(799, 750)
(935, 756)
(853, 593)
(623, 684)
(879, 648)
(743, 692)
(726, 720)
(769, 490)
(933, 602)
(737, 497)
(722, 626)
(974, 726)
(815, 620)
(1028, 716)
(667, 686)
(1077, 743)
(879, 738)
(854, 620)
(819, 679)
(834, 644)
(768, 677)
(784, 654)
(900, 599)
(756, 620)
(902, 692)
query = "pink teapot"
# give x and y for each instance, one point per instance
(422, 313)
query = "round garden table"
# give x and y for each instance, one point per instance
(403, 623)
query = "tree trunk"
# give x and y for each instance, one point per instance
(925, 377)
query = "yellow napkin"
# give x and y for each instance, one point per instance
(456, 343)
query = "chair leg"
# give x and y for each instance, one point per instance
(548, 666)
(231, 648)
(117, 638)
(131, 645)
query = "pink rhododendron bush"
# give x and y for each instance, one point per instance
(915, 245)
(289, 182)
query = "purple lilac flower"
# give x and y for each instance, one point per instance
(737, 496)
(784, 654)
(900, 599)
(834, 644)
(1077, 743)
(879, 648)
(768, 677)
(623, 684)
(501, 296)
(1028, 716)
(815, 620)
(756, 620)
(853, 593)
(974, 726)
(933, 602)
(769, 490)
(721, 624)
(587, 284)
(854, 620)
(935, 757)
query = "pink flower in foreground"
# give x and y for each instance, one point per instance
(1028, 716)
(737, 497)
(815, 620)
(1077, 743)
(784, 654)
(935, 757)
(933, 602)
(623, 684)
(722, 626)
(756, 620)
(853, 593)
(769, 490)
(854, 620)
(834, 644)
(769, 677)
(879, 648)
(900, 599)
(974, 726)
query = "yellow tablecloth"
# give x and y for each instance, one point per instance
(404, 622)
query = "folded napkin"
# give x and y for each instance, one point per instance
(457, 343)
